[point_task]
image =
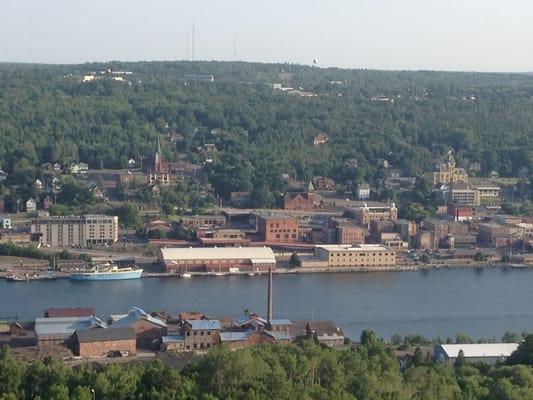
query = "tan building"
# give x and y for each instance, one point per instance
(375, 212)
(363, 255)
(447, 172)
(85, 230)
(203, 221)
(461, 193)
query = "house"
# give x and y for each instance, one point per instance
(47, 202)
(325, 333)
(201, 334)
(320, 138)
(131, 163)
(323, 183)
(489, 353)
(148, 330)
(363, 191)
(31, 205)
(5, 223)
(91, 343)
(38, 184)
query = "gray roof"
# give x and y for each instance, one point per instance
(280, 322)
(65, 326)
(279, 335)
(204, 324)
(135, 315)
(173, 339)
(103, 335)
(235, 336)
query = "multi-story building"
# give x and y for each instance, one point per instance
(406, 229)
(277, 228)
(376, 212)
(488, 192)
(446, 172)
(203, 221)
(363, 255)
(498, 235)
(201, 334)
(350, 234)
(84, 230)
(300, 201)
(461, 193)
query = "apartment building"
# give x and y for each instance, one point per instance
(83, 231)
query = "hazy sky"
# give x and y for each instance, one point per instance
(467, 35)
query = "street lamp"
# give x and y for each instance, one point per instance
(93, 393)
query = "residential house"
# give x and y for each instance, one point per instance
(320, 138)
(363, 191)
(31, 206)
(325, 333)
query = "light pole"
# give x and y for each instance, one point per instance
(93, 393)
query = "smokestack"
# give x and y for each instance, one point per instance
(269, 297)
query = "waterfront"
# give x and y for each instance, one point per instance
(481, 303)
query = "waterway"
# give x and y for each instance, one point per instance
(481, 303)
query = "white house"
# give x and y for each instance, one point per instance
(31, 205)
(3, 176)
(363, 191)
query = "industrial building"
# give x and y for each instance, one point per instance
(83, 231)
(372, 212)
(103, 342)
(202, 259)
(489, 353)
(362, 255)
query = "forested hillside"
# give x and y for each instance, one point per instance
(275, 372)
(48, 114)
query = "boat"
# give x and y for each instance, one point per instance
(107, 272)
(186, 275)
(251, 274)
(219, 274)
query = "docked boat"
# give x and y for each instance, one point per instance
(186, 275)
(107, 272)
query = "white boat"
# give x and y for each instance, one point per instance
(107, 272)
(186, 275)
(219, 274)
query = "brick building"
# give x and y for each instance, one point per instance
(201, 334)
(148, 330)
(277, 228)
(300, 201)
(101, 342)
(350, 234)
(374, 212)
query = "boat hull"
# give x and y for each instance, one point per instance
(106, 276)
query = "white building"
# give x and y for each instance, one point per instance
(81, 231)
(489, 353)
(363, 191)
(31, 205)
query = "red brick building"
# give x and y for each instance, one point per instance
(277, 228)
(68, 312)
(350, 234)
(148, 330)
(300, 201)
(101, 342)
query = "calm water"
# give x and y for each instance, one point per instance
(436, 303)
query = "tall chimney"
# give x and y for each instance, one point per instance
(269, 296)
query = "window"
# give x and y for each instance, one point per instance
(202, 333)
(195, 333)
(188, 333)
(208, 333)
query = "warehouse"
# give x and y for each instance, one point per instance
(105, 342)
(362, 255)
(233, 259)
(489, 353)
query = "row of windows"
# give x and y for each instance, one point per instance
(195, 333)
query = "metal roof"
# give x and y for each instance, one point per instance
(279, 335)
(103, 335)
(479, 350)
(352, 248)
(280, 322)
(218, 253)
(204, 324)
(235, 336)
(173, 339)
(135, 314)
(65, 325)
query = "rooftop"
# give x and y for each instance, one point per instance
(65, 325)
(218, 253)
(102, 335)
(204, 324)
(480, 350)
(235, 336)
(134, 315)
(357, 248)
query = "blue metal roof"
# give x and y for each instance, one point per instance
(204, 324)
(280, 322)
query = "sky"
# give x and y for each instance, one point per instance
(458, 35)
